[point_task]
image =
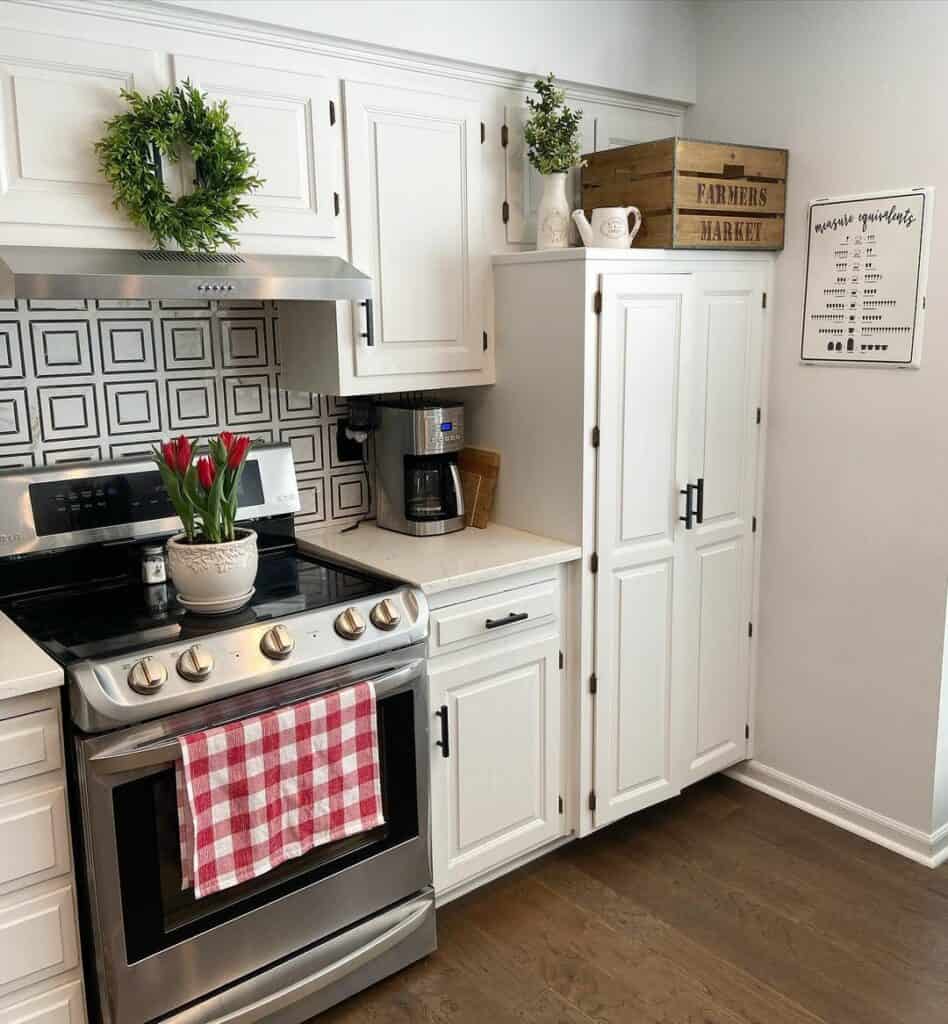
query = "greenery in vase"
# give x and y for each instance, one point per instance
(204, 492)
(156, 126)
(552, 130)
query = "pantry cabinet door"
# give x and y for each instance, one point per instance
(55, 95)
(414, 174)
(644, 394)
(524, 182)
(284, 119)
(496, 785)
(711, 714)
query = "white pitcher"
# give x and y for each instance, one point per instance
(609, 228)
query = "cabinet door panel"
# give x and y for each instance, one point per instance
(283, 117)
(711, 720)
(415, 205)
(645, 384)
(55, 95)
(496, 795)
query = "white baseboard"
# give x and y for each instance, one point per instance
(928, 848)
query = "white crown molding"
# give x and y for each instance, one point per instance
(928, 848)
(170, 16)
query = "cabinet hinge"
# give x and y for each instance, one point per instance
(483, 133)
(595, 437)
(758, 415)
(504, 136)
(750, 628)
(562, 660)
(597, 303)
(332, 112)
(753, 524)
(485, 341)
(505, 211)
(592, 799)
(559, 803)
(593, 683)
(335, 202)
(747, 732)
(763, 301)
(594, 562)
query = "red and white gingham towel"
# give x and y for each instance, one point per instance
(255, 793)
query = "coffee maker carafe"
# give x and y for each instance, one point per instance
(416, 452)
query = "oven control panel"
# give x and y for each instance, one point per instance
(176, 676)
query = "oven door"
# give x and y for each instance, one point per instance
(157, 948)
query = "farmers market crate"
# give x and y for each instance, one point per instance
(693, 195)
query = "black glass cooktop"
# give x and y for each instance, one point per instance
(110, 617)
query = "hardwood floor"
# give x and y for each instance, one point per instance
(722, 906)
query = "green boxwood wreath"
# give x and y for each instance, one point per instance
(204, 219)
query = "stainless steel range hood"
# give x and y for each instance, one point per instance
(34, 272)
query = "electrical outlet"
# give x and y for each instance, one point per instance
(347, 450)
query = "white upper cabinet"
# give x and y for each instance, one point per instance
(284, 118)
(641, 611)
(55, 96)
(712, 713)
(415, 207)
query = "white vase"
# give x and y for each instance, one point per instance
(553, 213)
(213, 573)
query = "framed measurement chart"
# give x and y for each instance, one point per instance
(866, 274)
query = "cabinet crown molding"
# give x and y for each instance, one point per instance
(171, 16)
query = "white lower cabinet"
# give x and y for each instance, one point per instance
(496, 749)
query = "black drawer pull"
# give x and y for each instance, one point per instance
(444, 743)
(369, 332)
(508, 621)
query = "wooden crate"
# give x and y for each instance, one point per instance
(693, 195)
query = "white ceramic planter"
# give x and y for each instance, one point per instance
(213, 574)
(553, 213)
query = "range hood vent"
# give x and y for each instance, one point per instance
(35, 272)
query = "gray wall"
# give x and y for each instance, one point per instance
(855, 550)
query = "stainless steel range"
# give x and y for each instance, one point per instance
(141, 671)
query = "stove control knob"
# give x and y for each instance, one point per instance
(349, 624)
(147, 676)
(195, 664)
(385, 615)
(277, 643)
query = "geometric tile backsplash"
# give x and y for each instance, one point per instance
(106, 379)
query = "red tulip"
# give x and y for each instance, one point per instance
(227, 439)
(206, 472)
(169, 452)
(237, 452)
(184, 454)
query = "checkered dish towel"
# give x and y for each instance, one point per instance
(255, 793)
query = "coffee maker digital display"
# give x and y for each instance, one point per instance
(419, 485)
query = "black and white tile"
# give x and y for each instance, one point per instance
(109, 379)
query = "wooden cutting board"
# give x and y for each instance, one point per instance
(479, 470)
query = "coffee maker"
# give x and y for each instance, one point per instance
(416, 455)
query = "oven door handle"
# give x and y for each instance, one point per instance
(130, 755)
(303, 976)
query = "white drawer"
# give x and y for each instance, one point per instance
(34, 836)
(493, 617)
(29, 745)
(37, 936)
(60, 1004)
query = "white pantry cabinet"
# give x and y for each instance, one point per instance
(497, 751)
(631, 384)
(286, 120)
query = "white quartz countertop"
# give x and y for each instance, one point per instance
(439, 563)
(24, 667)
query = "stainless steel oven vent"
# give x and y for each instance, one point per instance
(173, 256)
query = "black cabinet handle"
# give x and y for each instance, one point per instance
(369, 332)
(444, 743)
(507, 621)
(699, 503)
(688, 517)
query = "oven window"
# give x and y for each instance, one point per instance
(158, 913)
